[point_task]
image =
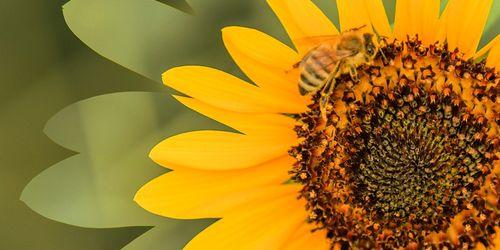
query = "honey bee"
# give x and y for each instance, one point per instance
(334, 56)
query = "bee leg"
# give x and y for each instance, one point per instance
(331, 88)
(354, 73)
(380, 39)
(327, 90)
(384, 58)
(325, 95)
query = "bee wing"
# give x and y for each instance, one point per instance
(308, 43)
(341, 54)
(335, 56)
(297, 67)
(329, 53)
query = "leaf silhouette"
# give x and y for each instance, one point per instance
(181, 5)
(148, 38)
(112, 135)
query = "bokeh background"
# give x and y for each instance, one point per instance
(82, 103)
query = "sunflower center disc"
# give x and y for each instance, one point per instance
(408, 159)
(401, 158)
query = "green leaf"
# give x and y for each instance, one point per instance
(113, 135)
(181, 5)
(328, 7)
(168, 236)
(148, 37)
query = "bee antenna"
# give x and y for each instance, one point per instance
(379, 37)
(357, 28)
(294, 66)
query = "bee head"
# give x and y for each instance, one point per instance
(370, 45)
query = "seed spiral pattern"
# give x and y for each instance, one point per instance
(406, 159)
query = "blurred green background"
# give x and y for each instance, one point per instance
(63, 109)
(44, 68)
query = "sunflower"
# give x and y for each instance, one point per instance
(404, 156)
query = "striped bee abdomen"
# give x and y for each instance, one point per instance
(315, 68)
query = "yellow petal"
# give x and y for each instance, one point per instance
(441, 27)
(225, 91)
(493, 59)
(304, 238)
(356, 13)
(497, 238)
(465, 24)
(302, 19)
(417, 17)
(263, 59)
(378, 17)
(262, 226)
(352, 14)
(219, 150)
(247, 123)
(447, 21)
(191, 194)
(429, 19)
